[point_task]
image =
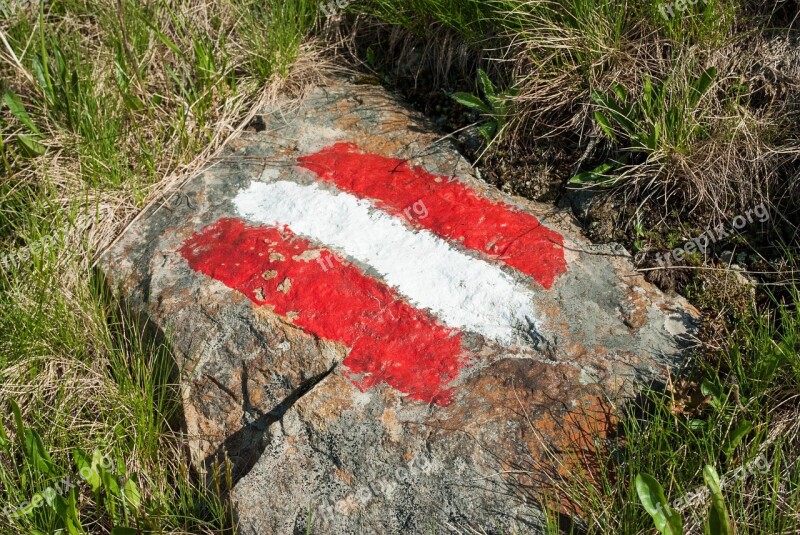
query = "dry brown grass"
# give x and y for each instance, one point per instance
(749, 155)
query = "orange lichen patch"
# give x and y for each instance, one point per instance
(343, 475)
(207, 434)
(348, 505)
(378, 143)
(635, 314)
(575, 440)
(327, 401)
(392, 425)
(347, 122)
(554, 436)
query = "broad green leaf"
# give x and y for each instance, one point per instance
(470, 101)
(744, 427)
(595, 176)
(647, 95)
(61, 506)
(616, 112)
(131, 493)
(29, 146)
(38, 455)
(87, 470)
(18, 420)
(702, 84)
(620, 91)
(81, 458)
(15, 105)
(43, 77)
(5, 443)
(488, 130)
(50, 495)
(601, 99)
(605, 124)
(110, 483)
(30, 508)
(651, 494)
(697, 424)
(718, 521)
(123, 531)
(97, 461)
(707, 388)
(74, 522)
(486, 85)
(73, 528)
(656, 134)
(769, 362)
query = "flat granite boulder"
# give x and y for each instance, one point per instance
(379, 341)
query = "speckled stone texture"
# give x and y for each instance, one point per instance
(304, 441)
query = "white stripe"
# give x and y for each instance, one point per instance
(464, 292)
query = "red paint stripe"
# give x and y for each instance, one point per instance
(390, 340)
(454, 211)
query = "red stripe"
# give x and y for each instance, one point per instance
(454, 211)
(390, 340)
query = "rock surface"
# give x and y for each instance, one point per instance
(343, 389)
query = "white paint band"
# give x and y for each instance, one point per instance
(462, 291)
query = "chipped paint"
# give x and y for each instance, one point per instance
(389, 340)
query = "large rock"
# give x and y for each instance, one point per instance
(379, 341)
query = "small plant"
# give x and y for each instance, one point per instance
(718, 521)
(639, 232)
(494, 107)
(28, 142)
(667, 521)
(119, 495)
(663, 119)
(651, 494)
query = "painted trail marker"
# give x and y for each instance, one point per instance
(418, 265)
(373, 336)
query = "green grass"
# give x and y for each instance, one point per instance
(105, 101)
(672, 434)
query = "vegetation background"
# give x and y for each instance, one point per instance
(651, 128)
